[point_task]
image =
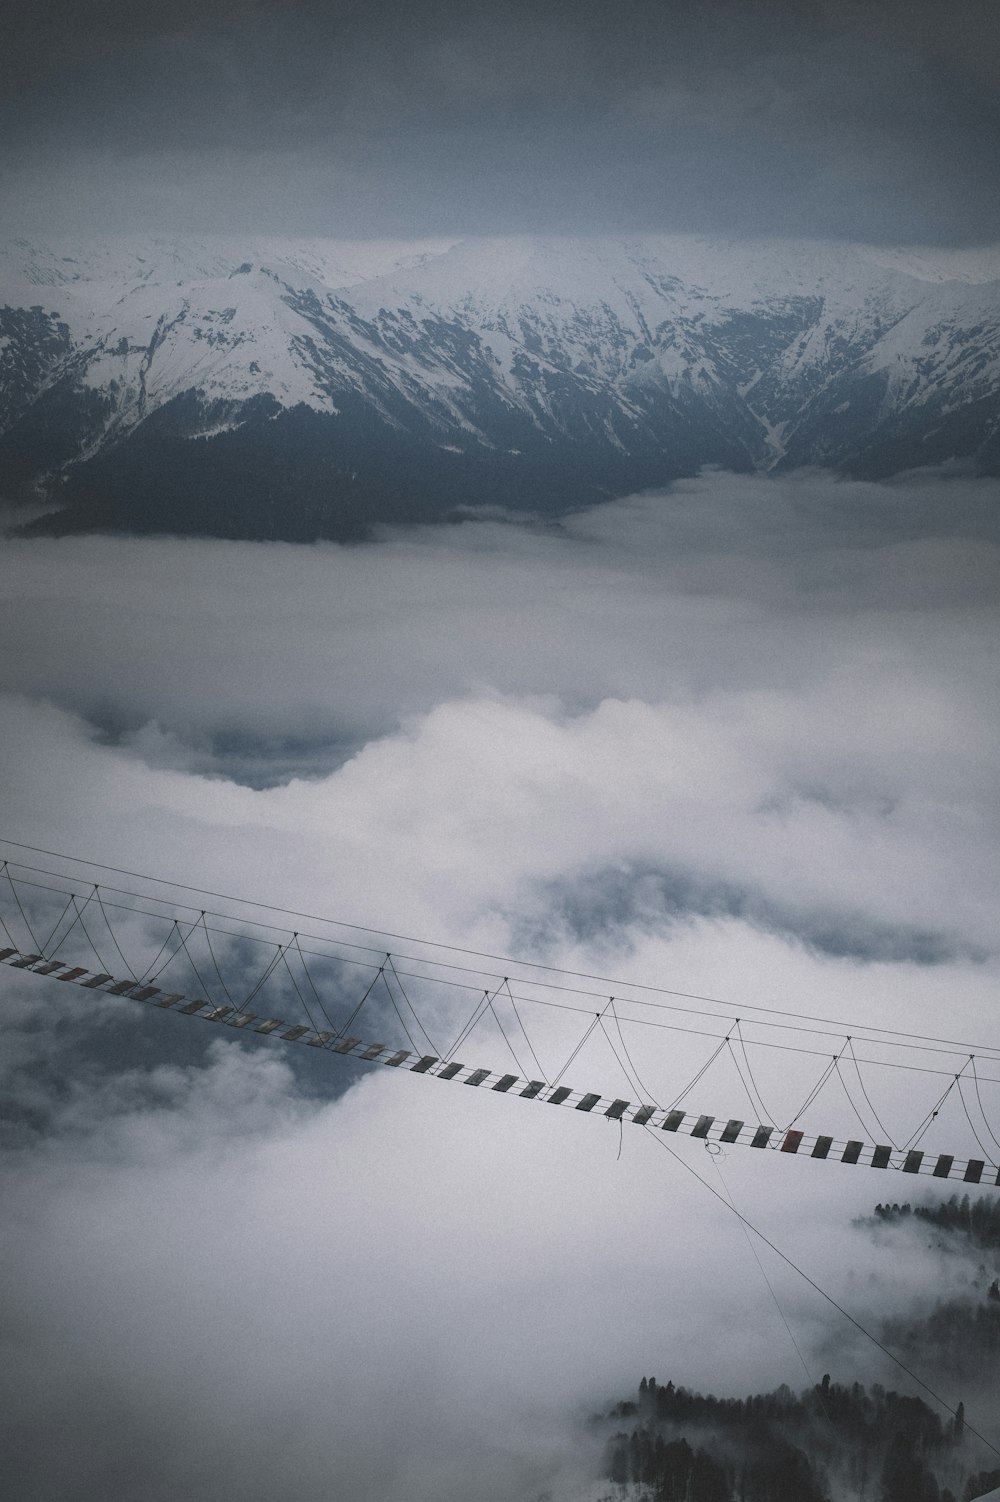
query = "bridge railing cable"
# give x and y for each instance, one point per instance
(173, 933)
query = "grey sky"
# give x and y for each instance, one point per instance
(870, 122)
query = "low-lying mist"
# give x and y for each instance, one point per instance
(738, 739)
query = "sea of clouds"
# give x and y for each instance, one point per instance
(737, 739)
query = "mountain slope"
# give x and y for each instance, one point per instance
(278, 388)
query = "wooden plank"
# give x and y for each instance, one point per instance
(914, 1161)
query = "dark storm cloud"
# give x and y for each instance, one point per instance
(870, 122)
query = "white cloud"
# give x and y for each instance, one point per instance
(402, 1294)
(702, 739)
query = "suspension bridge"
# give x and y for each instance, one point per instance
(382, 999)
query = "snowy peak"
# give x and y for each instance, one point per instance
(606, 363)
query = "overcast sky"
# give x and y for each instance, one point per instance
(739, 740)
(876, 121)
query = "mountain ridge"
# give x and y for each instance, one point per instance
(411, 378)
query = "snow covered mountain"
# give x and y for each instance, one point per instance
(310, 387)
